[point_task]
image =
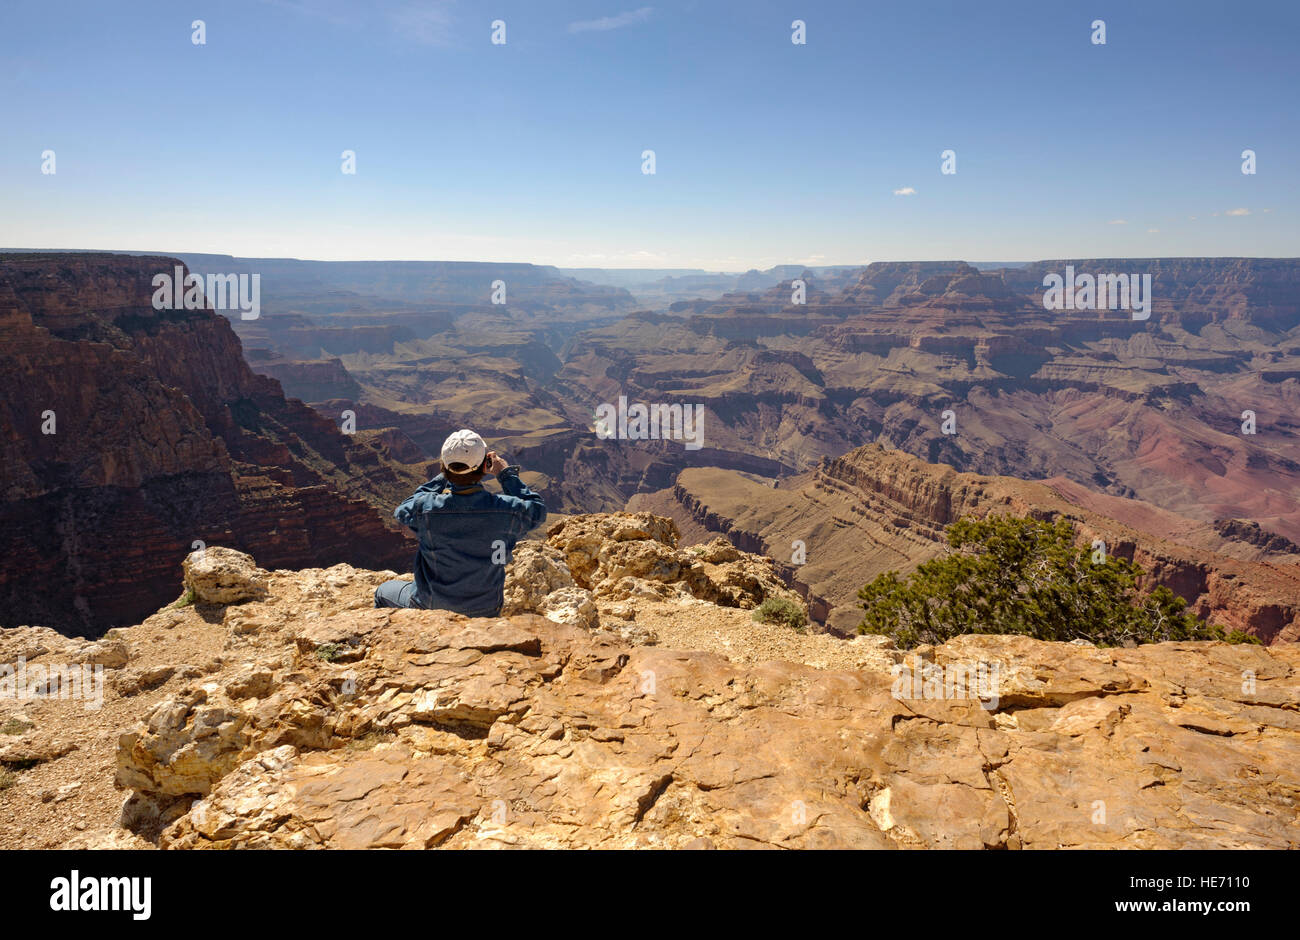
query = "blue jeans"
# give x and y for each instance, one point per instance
(395, 593)
(399, 593)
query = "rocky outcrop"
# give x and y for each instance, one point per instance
(626, 555)
(539, 581)
(335, 726)
(305, 718)
(312, 380)
(127, 434)
(188, 743)
(893, 283)
(1246, 530)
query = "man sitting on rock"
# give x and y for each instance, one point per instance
(466, 534)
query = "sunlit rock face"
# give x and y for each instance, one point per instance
(130, 433)
(328, 724)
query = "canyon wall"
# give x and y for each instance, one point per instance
(128, 433)
(875, 510)
(1193, 408)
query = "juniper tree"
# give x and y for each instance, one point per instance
(1009, 574)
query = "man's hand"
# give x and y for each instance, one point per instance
(494, 463)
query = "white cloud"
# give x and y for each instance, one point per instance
(1237, 212)
(905, 191)
(1118, 222)
(630, 18)
(1152, 231)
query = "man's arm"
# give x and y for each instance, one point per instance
(529, 505)
(405, 513)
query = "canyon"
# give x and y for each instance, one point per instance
(1149, 409)
(1153, 409)
(628, 695)
(161, 437)
(875, 509)
(187, 426)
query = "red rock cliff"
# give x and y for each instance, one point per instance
(162, 436)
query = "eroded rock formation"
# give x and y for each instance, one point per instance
(1152, 409)
(423, 729)
(304, 718)
(128, 433)
(875, 510)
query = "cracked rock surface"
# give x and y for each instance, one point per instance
(305, 718)
(422, 728)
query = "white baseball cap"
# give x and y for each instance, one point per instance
(463, 451)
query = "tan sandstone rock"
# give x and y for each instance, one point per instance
(539, 581)
(628, 555)
(334, 724)
(436, 730)
(218, 575)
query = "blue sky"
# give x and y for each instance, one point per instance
(766, 151)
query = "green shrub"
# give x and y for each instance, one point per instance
(185, 600)
(1241, 636)
(781, 610)
(7, 779)
(15, 726)
(330, 651)
(1025, 576)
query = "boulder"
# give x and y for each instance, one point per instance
(625, 555)
(111, 654)
(219, 575)
(183, 746)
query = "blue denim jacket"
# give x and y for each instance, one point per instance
(467, 537)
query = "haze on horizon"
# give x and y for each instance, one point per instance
(766, 152)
